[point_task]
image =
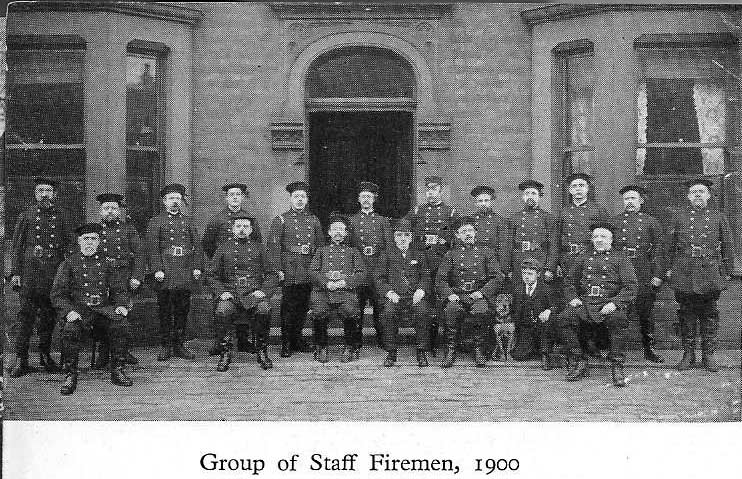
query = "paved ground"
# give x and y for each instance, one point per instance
(300, 389)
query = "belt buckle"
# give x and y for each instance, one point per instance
(177, 251)
(38, 251)
(574, 248)
(334, 275)
(594, 291)
(305, 249)
(94, 300)
(696, 252)
(242, 281)
(431, 239)
(632, 252)
(525, 246)
(468, 286)
(368, 250)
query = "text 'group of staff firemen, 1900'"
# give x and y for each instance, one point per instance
(582, 274)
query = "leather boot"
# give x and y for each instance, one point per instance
(263, 359)
(166, 350)
(118, 375)
(545, 362)
(649, 354)
(21, 368)
(449, 356)
(285, 349)
(47, 363)
(479, 359)
(103, 356)
(579, 370)
(391, 358)
(356, 353)
(244, 343)
(422, 359)
(70, 378)
(216, 347)
(617, 374)
(179, 349)
(689, 355)
(707, 355)
(130, 358)
(346, 355)
(225, 354)
(321, 354)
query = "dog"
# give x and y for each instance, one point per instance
(502, 328)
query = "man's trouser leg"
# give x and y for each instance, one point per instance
(349, 311)
(223, 320)
(569, 324)
(294, 306)
(643, 306)
(453, 314)
(368, 293)
(260, 324)
(181, 300)
(320, 319)
(72, 339)
(617, 327)
(389, 320)
(118, 337)
(525, 346)
(688, 314)
(34, 304)
(478, 312)
(165, 314)
(709, 325)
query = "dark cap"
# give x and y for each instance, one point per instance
(110, 198)
(603, 224)
(699, 181)
(434, 180)
(639, 189)
(368, 186)
(531, 263)
(243, 216)
(483, 190)
(297, 185)
(464, 220)
(229, 186)
(173, 188)
(45, 181)
(531, 184)
(401, 224)
(89, 228)
(578, 176)
(337, 217)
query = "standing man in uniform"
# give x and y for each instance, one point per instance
(176, 258)
(370, 234)
(403, 281)
(432, 227)
(123, 251)
(469, 279)
(238, 274)
(639, 236)
(293, 238)
(87, 293)
(599, 289)
(43, 235)
(336, 270)
(701, 255)
(533, 232)
(492, 230)
(218, 230)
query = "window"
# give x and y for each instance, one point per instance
(46, 125)
(144, 127)
(576, 81)
(685, 95)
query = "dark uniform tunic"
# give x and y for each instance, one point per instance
(123, 250)
(333, 263)
(173, 248)
(91, 287)
(574, 231)
(492, 232)
(466, 269)
(293, 238)
(598, 278)
(219, 229)
(240, 267)
(700, 252)
(639, 236)
(533, 235)
(404, 273)
(41, 238)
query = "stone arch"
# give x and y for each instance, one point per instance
(297, 73)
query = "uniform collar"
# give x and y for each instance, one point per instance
(111, 223)
(173, 215)
(230, 212)
(370, 213)
(582, 205)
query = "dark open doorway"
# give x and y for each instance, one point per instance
(349, 147)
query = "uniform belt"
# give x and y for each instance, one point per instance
(598, 292)
(529, 246)
(369, 250)
(696, 251)
(94, 300)
(41, 252)
(335, 275)
(574, 248)
(243, 281)
(175, 251)
(468, 286)
(305, 249)
(429, 239)
(634, 253)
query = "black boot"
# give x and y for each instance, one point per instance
(130, 358)
(321, 354)
(179, 349)
(103, 356)
(166, 350)
(579, 370)
(422, 359)
(346, 355)
(216, 347)
(285, 349)
(244, 342)
(433, 338)
(689, 355)
(70, 378)
(47, 363)
(391, 358)
(118, 375)
(545, 362)
(649, 354)
(21, 368)
(356, 353)
(707, 355)
(479, 359)
(449, 356)
(617, 374)
(263, 359)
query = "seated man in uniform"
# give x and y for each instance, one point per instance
(403, 280)
(599, 288)
(238, 276)
(87, 294)
(469, 278)
(336, 270)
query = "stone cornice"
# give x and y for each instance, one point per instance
(363, 11)
(162, 11)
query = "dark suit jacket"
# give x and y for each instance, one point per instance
(402, 275)
(545, 297)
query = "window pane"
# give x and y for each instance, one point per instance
(142, 186)
(142, 100)
(580, 84)
(360, 72)
(46, 97)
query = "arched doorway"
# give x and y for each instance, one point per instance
(360, 104)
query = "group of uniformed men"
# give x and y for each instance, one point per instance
(431, 264)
